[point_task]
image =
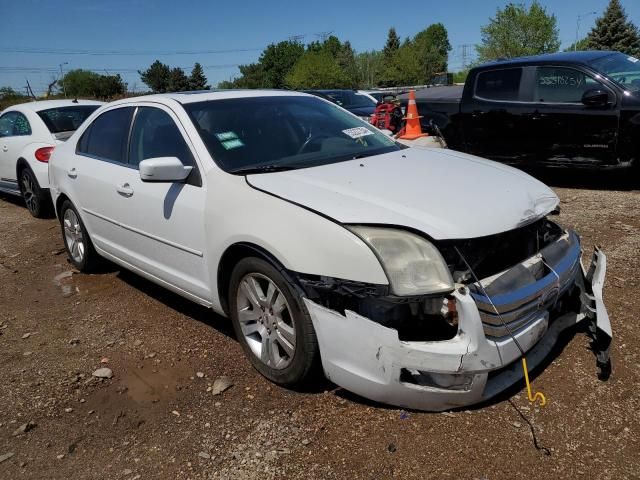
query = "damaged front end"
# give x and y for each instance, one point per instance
(515, 291)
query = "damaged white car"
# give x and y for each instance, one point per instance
(416, 277)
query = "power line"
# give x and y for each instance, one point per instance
(61, 51)
(101, 69)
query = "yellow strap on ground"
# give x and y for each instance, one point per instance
(539, 395)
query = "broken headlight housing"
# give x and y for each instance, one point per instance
(412, 264)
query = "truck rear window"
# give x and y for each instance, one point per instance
(66, 119)
(499, 84)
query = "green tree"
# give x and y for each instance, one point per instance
(582, 44)
(79, 83)
(278, 60)
(432, 48)
(369, 66)
(178, 81)
(157, 77)
(613, 31)
(317, 70)
(517, 31)
(108, 86)
(392, 45)
(346, 58)
(197, 79)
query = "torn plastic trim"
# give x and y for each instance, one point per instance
(367, 358)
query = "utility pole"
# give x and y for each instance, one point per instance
(575, 45)
(64, 89)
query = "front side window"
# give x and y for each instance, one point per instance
(562, 85)
(66, 119)
(14, 124)
(154, 135)
(283, 132)
(107, 136)
(503, 85)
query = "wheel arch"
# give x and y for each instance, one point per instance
(230, 258)
(59, 201)
(21, 164)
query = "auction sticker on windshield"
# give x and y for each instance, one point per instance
(357, 132)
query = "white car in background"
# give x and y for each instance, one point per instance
(28, 134)
(418, 277)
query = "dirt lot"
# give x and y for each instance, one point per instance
(156, 418)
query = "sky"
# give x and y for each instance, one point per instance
(123, 36)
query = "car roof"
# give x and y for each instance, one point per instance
(207, 95)
(584, 56)
(40, 105)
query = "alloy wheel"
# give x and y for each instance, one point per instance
(29, 192)
(266, 322)
(73, 235)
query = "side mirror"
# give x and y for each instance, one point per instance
(595, 98)
(163, 169)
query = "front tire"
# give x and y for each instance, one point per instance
(272, 323)
(36, 199)
(76, 239)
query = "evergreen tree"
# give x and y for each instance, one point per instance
(392, 45)
(156, 77)
(197, 79)
(178, 81)
(613, 31)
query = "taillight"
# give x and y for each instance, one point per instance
(44, 154)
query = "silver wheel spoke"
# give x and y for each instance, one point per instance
(249, 329)
(286, 332)
(284, 343)
(253, 292)
(248, 315)
(272, 294)
(265, 352)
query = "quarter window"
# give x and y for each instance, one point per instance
(13, 124)
(107, 136)
(562, 85)
(499, 84)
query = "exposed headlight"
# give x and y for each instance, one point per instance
(412, 264)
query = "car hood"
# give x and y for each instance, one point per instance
(445, 194)
(363, 111)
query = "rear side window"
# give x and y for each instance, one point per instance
(66, 119)
(14, 124)
(499, 84)
(107, 136)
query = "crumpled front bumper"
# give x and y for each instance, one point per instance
(368, 359)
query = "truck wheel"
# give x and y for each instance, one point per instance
(76, 239)
(271, 322)
(37, 200)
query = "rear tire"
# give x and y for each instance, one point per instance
(76, 239)
(37, 200)
(272, 323)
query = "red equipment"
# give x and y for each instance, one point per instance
(387, 115)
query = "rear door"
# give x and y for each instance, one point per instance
(566, 130)
(492, 118)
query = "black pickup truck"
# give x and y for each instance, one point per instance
(562, 109)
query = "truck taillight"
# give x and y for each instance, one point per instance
(43, 154)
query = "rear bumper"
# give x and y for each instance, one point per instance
(368, 359)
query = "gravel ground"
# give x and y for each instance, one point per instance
(157, 417)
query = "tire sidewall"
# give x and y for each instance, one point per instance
(37, 192)
(306, 349)
(82, 266)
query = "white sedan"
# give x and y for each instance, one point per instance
(28, 134)
(416, 277)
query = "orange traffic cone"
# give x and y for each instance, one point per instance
(412, 128)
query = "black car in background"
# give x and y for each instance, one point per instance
(357, 103)
(561, 109)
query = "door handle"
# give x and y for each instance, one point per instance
(5, 148)
(72, 173)
(125, 189)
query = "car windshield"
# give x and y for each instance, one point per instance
(622, 68)
(66, 119)
(262, 134)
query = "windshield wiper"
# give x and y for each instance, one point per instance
(263, 169)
